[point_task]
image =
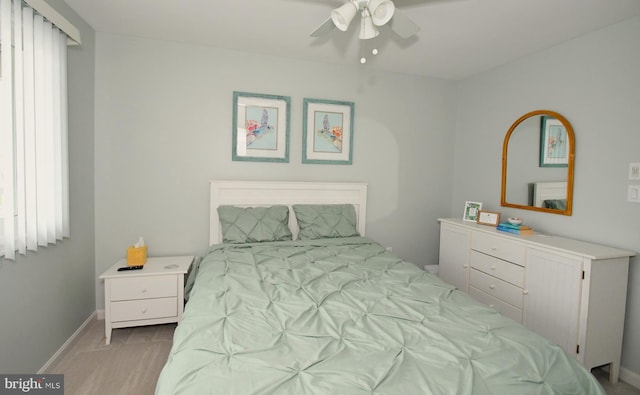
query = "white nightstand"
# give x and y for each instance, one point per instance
(149, 296)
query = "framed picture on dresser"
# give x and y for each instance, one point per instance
(491, 218)
(471, 211)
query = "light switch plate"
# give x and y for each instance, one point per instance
(633, 194)
(634, 171)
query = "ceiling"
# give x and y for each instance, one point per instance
(458, 38)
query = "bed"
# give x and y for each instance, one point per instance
(330, 311)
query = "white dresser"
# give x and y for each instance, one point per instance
(569, 291)
(149, 296)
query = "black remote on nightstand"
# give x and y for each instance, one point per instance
(121, 269)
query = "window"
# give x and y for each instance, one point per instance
(34, 203)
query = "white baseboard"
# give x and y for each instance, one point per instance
(100, 314)
(630, 377)
(66, 344)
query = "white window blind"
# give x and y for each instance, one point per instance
(34, 200)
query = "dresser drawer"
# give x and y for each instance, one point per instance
(496, 287)
(495, 267)
(503, 308)
(144, 309)
(498, 247)
(143, 287)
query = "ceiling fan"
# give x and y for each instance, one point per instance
(374, 13)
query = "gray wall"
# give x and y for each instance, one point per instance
(47, 295)
(163, 130)
(594, 82)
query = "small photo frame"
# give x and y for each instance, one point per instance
(471, 211)
(327, 132)
(260, 127)
(491, 218)
(554, 144)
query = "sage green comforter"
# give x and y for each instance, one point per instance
(343, 316)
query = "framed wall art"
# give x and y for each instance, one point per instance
(554, 147)
(260, 127)
(327, 134)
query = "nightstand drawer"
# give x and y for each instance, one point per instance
(498, 247)
(503, 308)
(496, 287)
(144, 309)
(495, 267)
(143, 287)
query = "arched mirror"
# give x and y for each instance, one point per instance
(537, 163)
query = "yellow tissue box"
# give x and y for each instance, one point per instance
(136, 256)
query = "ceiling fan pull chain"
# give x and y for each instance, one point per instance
(363, 58)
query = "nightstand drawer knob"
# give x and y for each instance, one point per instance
(493, 267)
(492, 286)
(144, 290)
(144, 310)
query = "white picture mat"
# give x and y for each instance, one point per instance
(311, 132)
(550, 160)
(281, 106)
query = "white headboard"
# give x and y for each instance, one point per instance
(269, 193)
(548, 191)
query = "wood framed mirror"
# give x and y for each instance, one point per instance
(538, 157)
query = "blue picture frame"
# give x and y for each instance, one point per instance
(554, 143)
(261, 127)
(327, 132)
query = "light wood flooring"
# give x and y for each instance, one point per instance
(132, 362)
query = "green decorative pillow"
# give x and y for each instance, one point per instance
(318, 221)
(254, 224)
(557, 204)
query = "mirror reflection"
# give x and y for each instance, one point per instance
(537, 168)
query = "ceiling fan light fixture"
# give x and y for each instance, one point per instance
(381, 11)
(343, 15)
(367, 28)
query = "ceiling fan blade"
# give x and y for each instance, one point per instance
(324, 29)
(402, 25)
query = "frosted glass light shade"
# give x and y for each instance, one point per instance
(381, 11)
(343, 15)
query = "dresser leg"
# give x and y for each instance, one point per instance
(107, 332)
(614, 372)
